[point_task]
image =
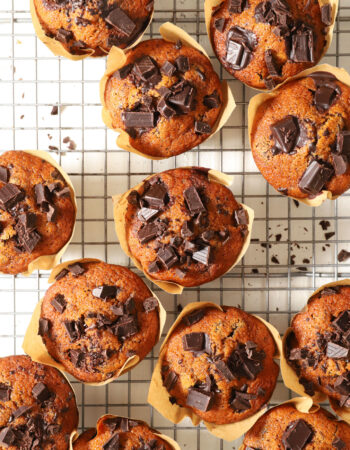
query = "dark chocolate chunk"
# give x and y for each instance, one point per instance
(41, 392)
(224, 369)
(61, 274)
(270, 83)
(203, 255)
(194, 317)
(126, 327)
(10, 195)
(76, 357)
(336, 351)
(219, 24)
(27, 221)
(342, 322)
(139, 119)
(239, 47)
(187, 229)
(343, 255)
(4, 174)
(154, 267)
(182, 63)
(129, 305)
(146, 69)
(7, 437)
(64, 36)
(326, 14)
(165, 109)
(286, 133)
(315, 177)
(44, 327)
(104, 292)
(342, 384)
(146, 214)
(164, 91)
(150, 304)
(76, 269)
(73, 329)
(123, 72)
(178, 44)
(121, 21)
(184, 99)
(21, 411)
(59, 303)
(193, 200)
(237, 6)
(54, 110)
(168, 69)
(65, 192)
(203, 401)
(271, 64)
(202, 127)
(325, 96)
(170, 381)
(5, 393)
(240, 401)
(51, 213)
(193, 342)
(156, 196)
(112, 443)
(297, 435)
(29, 241)
(212, 101)
(241, 217)
(340, 163)
(148, 232)
(343, 143)
(302, 48)
(338, 444)
(167, 256)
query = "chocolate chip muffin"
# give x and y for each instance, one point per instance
(81, 25)
(120, 433)
(220, 364)
(95, 317)
(37, 213)
(262, 43)
(319, 343)
(167, 97)
(38, 408)
(184, 228)
(300, 137)
(284, 427)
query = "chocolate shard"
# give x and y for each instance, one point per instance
(7, 437)
(315, 178)
(76, 357)
(194, 317)
(5, 393)
(343, 143)
(150, 304)
(286, 133)
(271, 64)
(4, 174)
(64, 36)
(167, 257)
(147, 70)
(203, 255)
(21, 411)
(156, 196)
(61, 274)
(65, 192)
(29, 241)
(126, 327)
(182, 63)
(168, 69)
(338, 443)
(41, 392)
(165, 109)
(104, 292)
(212, 101)
(193, 200)
(139, 119)
(27, 221)
(123, 72)
(146, 214)
(202, 127)
(336, 351)
(326, 14)
(10, 195)
(193, 342)
(187, 229)
(297, 435)
(112, 443)
(51, 214)
(59, 303)
(240, 401)
(154, 267)
(170, 380)
(121, 21)
(76, 269)
(302, 48)
(148, 232)
(224, 370)
(343, 255)
(184, 98)
(237, 6)
(203, 401)
(342, 384)
(325, 96)
(73, 329)
(240, 45)
(270, 83)
(44, 327)
(241, 217)
(342, 322)
(219, 24)
(340, 163)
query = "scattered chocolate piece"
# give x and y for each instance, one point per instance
(44, 327)
(10, 195)
(340, 163)
(170, 381)
(41, 194)
(51, 214)
(147, 233)
(167, 257)
(202, 256)
(193, 200)
(123, 72)
(54, 110)
(41, 392)
(64, 36)
(202, 128)
(329, 235)
(271, 64)
(199, 399)
(343, 255)
(168, 69)
(326, 14)
(139, 119)
(194, 317)
(150, 304)
(4, 174)
(65, 192)
(270, 83)
(219, 24)
(315, 177)
(5, 393)
(121, 21)
(59, 303)
(239, 47)
(76, 269)
(342, 322)
(240, 217)
(105, 292)
(336, 351)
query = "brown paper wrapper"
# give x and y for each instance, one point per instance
(291, 379)
(47, 262)
(58, 49)
(158, 396)
(210, 5)
(259, 99)
(117, 58)
(121, 203)
(34, 346)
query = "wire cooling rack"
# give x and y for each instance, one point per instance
(266, 283)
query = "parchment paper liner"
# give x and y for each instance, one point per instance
(209, 5)
(158, 396)
(291, 379)
(121, 203)
(259, 99)
(47, 262)
(36, 349)
(117, 58)
(58, 49)
(166, 438)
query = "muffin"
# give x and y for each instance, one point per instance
(38, 409)
(93, 25)
(286, 427)
(182, 227)
(167, 97)
(262, 43)
(120, 433)
(300, 137)
(37, 212)
(318, 346)
(220, 364)
(95, 317)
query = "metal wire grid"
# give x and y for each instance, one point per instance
(32, 80)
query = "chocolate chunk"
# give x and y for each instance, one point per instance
(10, 195)
(129, 305)
(336, 351)
(207, 236)
(170, 381)
(42, 194)
(21, 411)
(297, 435)
(193, 342)
(240, 401)
(29, 241)
(147, 233)
(51, 214)
(168, 69)
(118, 310)
(237, 6)
(239, 47)
(343, 255)
(326, 14)
(342, 322)
(165, 109)
(104, 292)
(219, 24)
(5, 393)
(224, 369)
(154, 267)
(338, 444)
(184, 99)
(4, 174)
(271, 64)
(44, 327)
(212, 101)
(54, 110)
(340, 163)
(73, 329)
(203, 255)
(61, 274)
(146, 69)
(187, 229)
(193, 200)
(41, 392)
(7, 437)
(194, 317)
(121, 21)
(178, 44)
(167, 257)
(199, 399)
(240, 217)
(76, 357)
(202, 128)
(314, 178)
(112, 443)
(343, 143)
(164, 91)
(286, 133)
(150, 304)
(64, 36)
(76, 269)
(146, 214)
(270, 83)
(325, 96)
(182, 63)
(65, 192)
(28, 221)
(139, 119)
(342, 384)
(59, 303)
(123, 72)
(302, 49)
(126, 327)
(156, 196)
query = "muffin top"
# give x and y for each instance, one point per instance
(220, 364)
(183, 228)
(301, 137)
(262, 43)
(284, 427)
(38, 408)
(94, 24)
(37, 214)
(120, 433)
(95, 317)
(167, 97)
(318, 348)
